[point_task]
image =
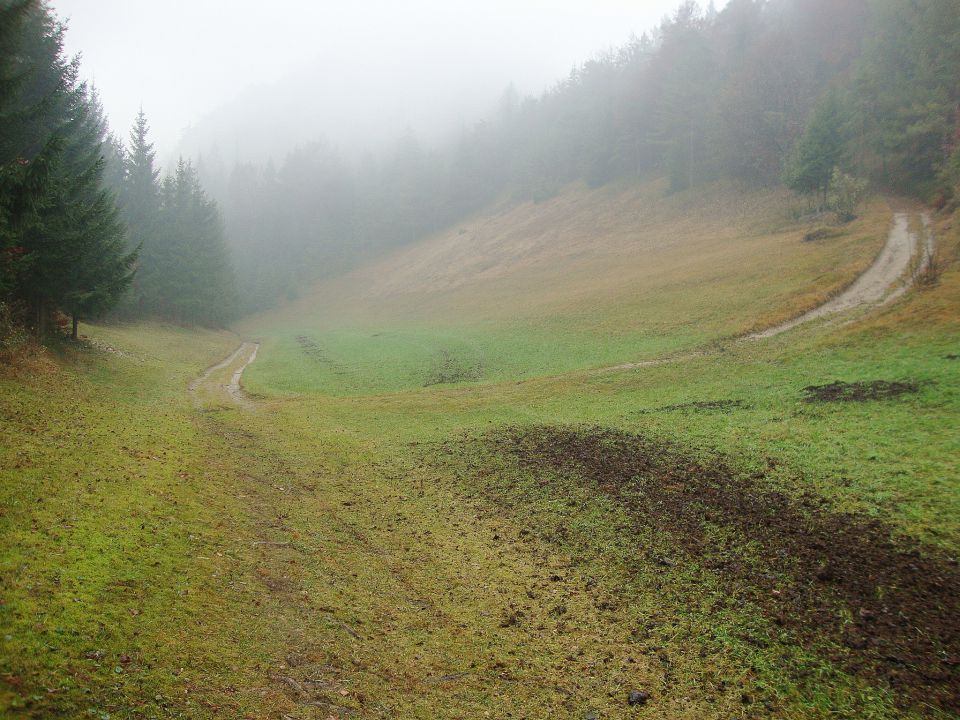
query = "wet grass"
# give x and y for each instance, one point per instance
(652, 284)
(324, 556)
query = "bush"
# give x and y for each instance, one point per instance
(845, 194)
(951, 174)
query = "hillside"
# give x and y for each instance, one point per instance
(634, 400)
(585, 279)
(522, 530)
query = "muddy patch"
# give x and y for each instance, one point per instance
(699, 406)
(449, 369)
(821, 233)
(880, 607)
(860, 391)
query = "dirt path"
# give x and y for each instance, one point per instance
(885, 280)
(211, 380)
(233, 388)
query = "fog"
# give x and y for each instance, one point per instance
(319, 136)
(254, 79)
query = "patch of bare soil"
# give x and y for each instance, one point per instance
(699, 405)
(883, 608)
(859, 391)
(449, 369)
(821, 233)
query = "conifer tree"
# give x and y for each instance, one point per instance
(196, 284)
(60, 229)
(820, 149)
(140, 202)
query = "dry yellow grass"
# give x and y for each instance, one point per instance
(586, 252)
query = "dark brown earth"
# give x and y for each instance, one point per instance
(706, 405)
(820, 234)
(449, 369)
(859, 391)
(883, 608)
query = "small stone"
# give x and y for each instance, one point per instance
(591, 715)
(637, 698)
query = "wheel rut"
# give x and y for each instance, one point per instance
(210, 383)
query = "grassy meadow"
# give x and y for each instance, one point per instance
(365, 542)
(601, 277)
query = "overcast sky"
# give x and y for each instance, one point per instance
(184, 59)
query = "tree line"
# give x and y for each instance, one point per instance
(86, 227)
(817, 94)
(821, 95)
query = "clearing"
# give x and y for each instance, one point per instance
(426, 502)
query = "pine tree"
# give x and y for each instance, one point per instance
(140, 203)
(58, 220)
(33, 82)
(196, 285)
(820, 149)
(102, 268)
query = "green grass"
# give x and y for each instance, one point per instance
(376, 361)
(321, 539)
(662, 286)
(106, 497)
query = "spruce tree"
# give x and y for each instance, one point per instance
(102, 267)
(820, 149)
(140, 202)
(196, 285)
(60, 230)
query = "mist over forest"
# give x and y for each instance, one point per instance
(704, 95)
(752, 93)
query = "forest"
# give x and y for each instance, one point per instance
(86, 225)
(765, 91)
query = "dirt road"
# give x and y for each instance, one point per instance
(211, 381)
(885, 280)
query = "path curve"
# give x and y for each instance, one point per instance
(233, 388)
(890, 275)
(239, 360)
(886, 279)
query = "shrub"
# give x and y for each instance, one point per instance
(845, 194)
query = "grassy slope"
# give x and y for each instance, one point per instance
(589, 278)
(316, 540)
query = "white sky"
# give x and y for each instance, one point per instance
(184, 59)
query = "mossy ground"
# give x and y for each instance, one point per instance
(169, 555)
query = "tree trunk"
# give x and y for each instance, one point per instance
(76, 324)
